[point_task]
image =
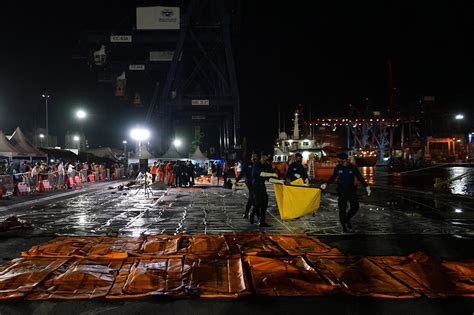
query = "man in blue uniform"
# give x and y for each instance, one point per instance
(260, 172)
(345, 172)
(296, 170)
(247, 173)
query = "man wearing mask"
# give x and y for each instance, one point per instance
(296, 170)
(345, 173)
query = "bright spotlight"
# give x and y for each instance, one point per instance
(177, 143)
(76, 138)
(140, 134)
(41, 135)
(459, 116)
(81, 114)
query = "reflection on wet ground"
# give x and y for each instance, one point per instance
(458, 179)
(216, 210)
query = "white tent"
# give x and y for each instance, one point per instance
(23, 145)
(171, 154)
(6, 148)
(198, 155)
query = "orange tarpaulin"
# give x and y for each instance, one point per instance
(360, 277)
(19, 276)
(253, 244)
(430, 276)
(217, 277)
(286, 277)
(208, 245)
(87, 247)
(296, 245)
(218, 266)
(160, 245)
(78, 279)
(155, 276)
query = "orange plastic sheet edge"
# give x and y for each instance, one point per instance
(360, 276)
(252, 244)
(287, 277)
(296, 245)
(217, 277)
(431, 277)
(19, 276)
(78, 279)
(152, 276)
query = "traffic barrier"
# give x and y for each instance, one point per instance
(22, 188)
(40, 186)
(91, 178)
(47, 185)
(78, 181)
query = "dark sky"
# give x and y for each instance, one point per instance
(324, 55)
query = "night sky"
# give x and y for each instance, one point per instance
(321, 55)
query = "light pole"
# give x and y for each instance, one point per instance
(81, 115)
(76, 139)
(140, 134)
(125, 148)
(46, 96)
(41, 137)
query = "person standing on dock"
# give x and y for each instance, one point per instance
(345, 173)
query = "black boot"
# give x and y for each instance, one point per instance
(252, 217)
(348, 223)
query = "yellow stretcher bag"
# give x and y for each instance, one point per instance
(296, 200)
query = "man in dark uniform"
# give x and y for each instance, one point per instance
(261, 171)
(247, 173)
(296, 170)
(346, 173)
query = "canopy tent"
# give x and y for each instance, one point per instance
(171, 154)
(58, 154)
(6, 148)
(142, 153)
(106, 152)
(198, 155)
(23, 145)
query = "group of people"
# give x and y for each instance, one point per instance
(179, 174)
(258, 170)
(30, 172)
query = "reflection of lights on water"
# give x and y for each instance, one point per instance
(457, 210)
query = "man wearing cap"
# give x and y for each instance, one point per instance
(345, 172)
(296, 170)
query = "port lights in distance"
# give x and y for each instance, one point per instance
(457, 210)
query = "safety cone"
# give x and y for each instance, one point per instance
(40, 186)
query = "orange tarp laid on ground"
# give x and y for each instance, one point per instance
(217, 277)
(19, 276)
(87, 247)
(430, 276)
(61, 247)
(78, 279)
(222, 266)
(296, 245)
(208, 245)
(286, 277)
(155, 276)
(360, 277)
(253, 244)
(160, 245)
